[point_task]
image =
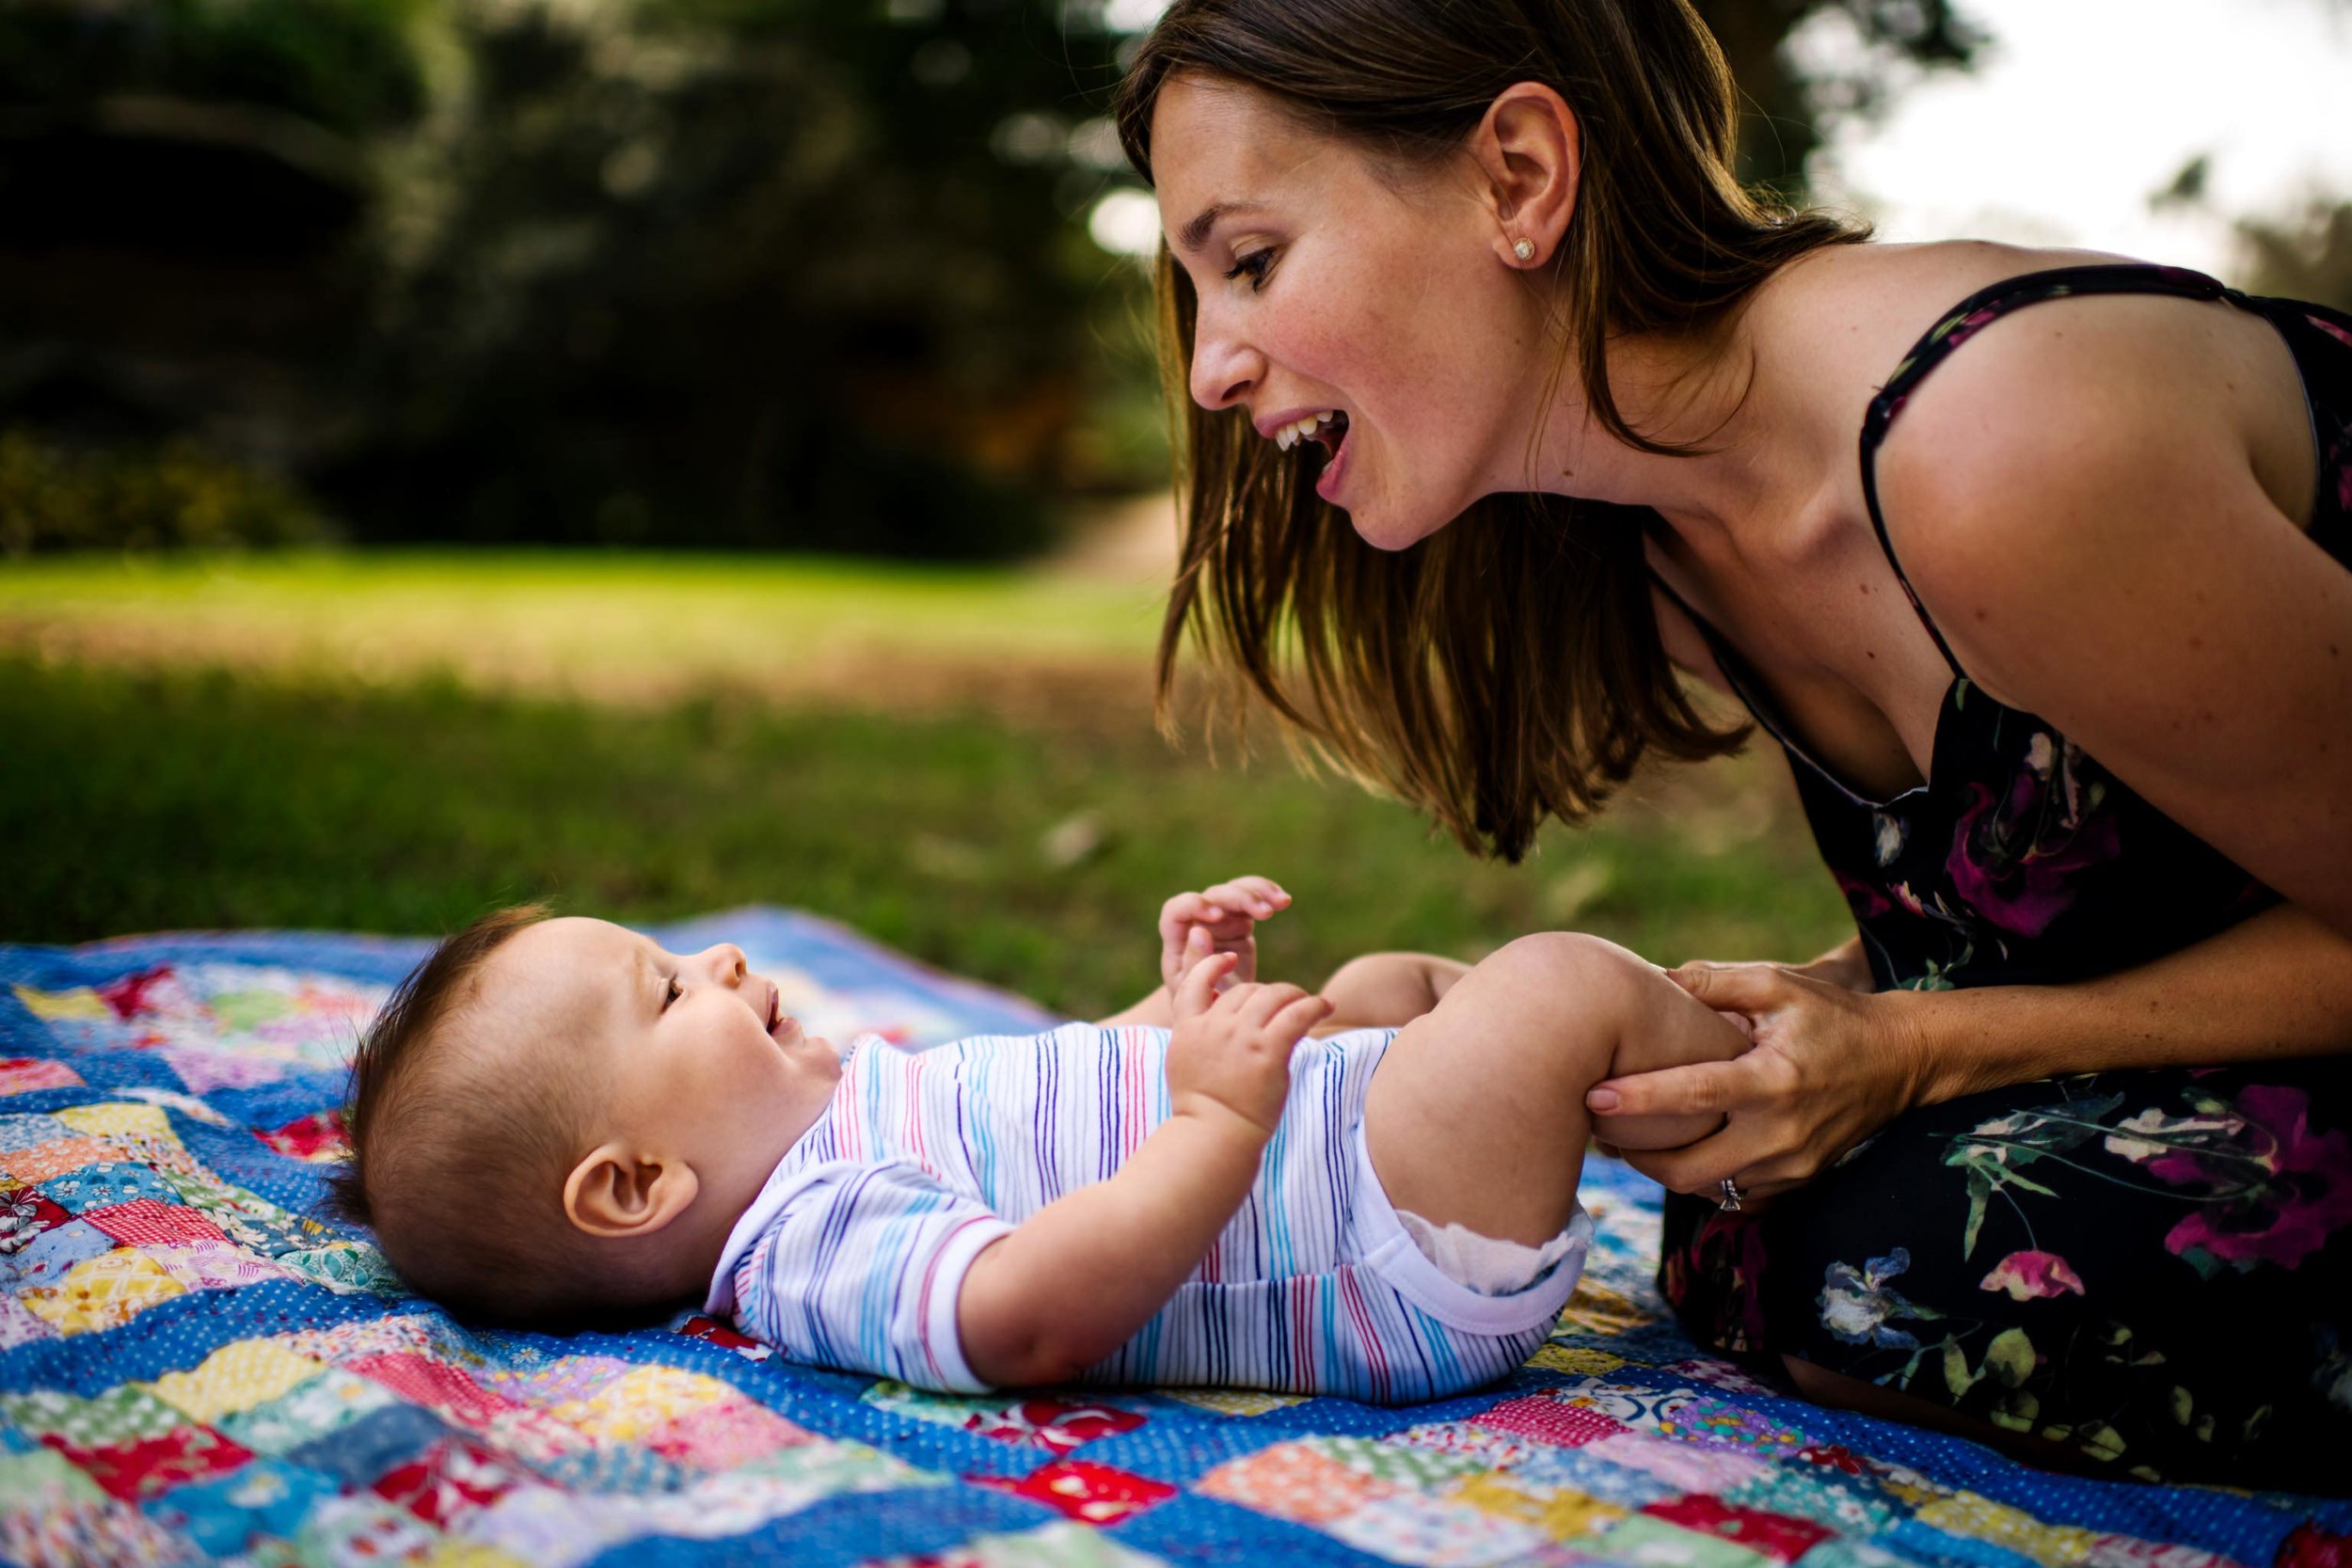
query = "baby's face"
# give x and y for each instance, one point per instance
(700, 1059)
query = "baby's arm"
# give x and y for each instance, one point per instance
(1075, 1280)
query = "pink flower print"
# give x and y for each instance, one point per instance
(1865, 901)
(1969, 325)
(2274, 1195)
(2013, 860)
(2031, 1276)
(2330, 328)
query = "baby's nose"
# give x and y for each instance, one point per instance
(728, 963)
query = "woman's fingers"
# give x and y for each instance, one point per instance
(1692, 1089)
(1748, 989)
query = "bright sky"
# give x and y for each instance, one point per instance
(2076, 113)
(2080, 109)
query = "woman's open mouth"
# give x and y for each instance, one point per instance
(1327, 429)
(1332, 436)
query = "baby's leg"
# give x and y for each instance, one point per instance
(1387, 990)
(1476, 1114)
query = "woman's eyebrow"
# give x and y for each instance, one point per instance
(1196, 233)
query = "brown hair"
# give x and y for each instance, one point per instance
(1508, 668)
(462, 1186)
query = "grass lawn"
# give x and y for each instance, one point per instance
(619, 626)
(218, 785)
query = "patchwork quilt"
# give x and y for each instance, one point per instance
(194, 1368)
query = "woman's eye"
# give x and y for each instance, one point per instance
(1253, 266)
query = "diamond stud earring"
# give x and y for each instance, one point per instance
(1524, 250)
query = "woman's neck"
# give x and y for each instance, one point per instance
(1760, 458)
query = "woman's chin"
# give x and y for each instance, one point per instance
(1385, 528)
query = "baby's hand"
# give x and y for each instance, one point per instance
(1234, 1050)
(1198, 925)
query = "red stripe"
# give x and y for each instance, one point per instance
(1362, 1319)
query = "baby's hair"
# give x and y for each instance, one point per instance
(461, 1135)
(411, 1016)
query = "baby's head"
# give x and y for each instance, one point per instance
(555, 1119)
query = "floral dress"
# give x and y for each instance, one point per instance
(2153, 1267)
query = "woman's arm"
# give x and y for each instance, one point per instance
(2080, 502)
(1831, 1066)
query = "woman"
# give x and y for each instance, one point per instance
(2055, 1150)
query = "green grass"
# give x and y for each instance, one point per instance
(148, 799)
(626, 625)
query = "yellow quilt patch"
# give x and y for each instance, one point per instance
(639, 1400)
(1982, 1519)
(79, 1002)
(118, 1119)
(103, 1292)
(1564, 1515)
(1231, 1401)
(1576, 1361)
(235, 1377)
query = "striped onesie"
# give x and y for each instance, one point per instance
(854, 1252)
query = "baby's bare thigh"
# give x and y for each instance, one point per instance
(1475, 1116)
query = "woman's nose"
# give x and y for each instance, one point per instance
(1223, 371)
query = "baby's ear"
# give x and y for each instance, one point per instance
(616, 1192)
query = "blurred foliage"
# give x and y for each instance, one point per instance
(57, 498)
(2304, 255)
(1804, 64)
(804, 273)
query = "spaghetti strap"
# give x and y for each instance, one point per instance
(1963, 322)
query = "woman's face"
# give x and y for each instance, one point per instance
(1328, 284)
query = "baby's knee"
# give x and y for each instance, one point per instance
(1581, 971)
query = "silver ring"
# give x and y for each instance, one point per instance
(1729, 1202)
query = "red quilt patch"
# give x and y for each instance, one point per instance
(135, 1472)
(1091, 1494)
(145, 1222)
(1778, 1536)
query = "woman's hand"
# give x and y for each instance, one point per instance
(1829, 1068)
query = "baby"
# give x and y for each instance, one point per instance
(1368, 1191)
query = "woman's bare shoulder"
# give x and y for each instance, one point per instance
(1882, 299)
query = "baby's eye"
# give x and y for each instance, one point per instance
(672, 993)
(1253, 266)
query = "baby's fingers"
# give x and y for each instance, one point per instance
(1256, 897)
(1197, 992)
(1269, 1000)
(1292, 1024)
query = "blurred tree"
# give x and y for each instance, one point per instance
(742, 271)
(806, 272)
(1804, 64)
(2306, 255)
(181, 188)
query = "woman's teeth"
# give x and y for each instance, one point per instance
(1290, 435)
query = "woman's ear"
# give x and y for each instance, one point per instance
(1530, 152)
(616, 1192)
